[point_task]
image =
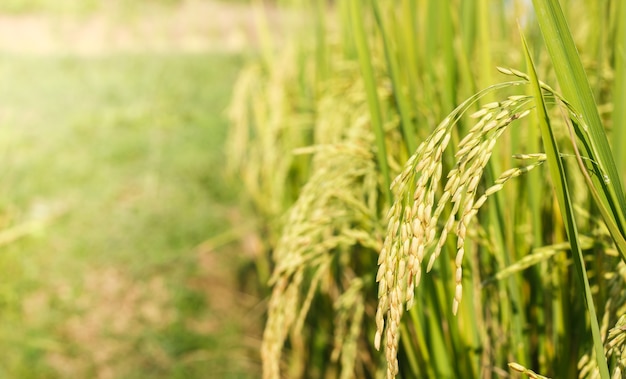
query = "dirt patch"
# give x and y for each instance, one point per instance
(112, 324)
(100, 327)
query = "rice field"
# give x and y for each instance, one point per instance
(439, 187)
(308, 189)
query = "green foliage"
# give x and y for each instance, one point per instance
(507, 293)
(121, 153)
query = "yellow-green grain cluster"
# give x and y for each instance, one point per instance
(416, 222)
(333, 213)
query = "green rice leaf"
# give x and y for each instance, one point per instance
(408, 129)
(619, 89)
(557, 173)
(576, 89)
(372, 95)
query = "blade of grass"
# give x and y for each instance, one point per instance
(321, 50)
(408, 54)
(372, 95)
(573, 81)
(265, 39)
(450, 83)
(557, 173)
(485, 75)
(408, 129)
(619, 89)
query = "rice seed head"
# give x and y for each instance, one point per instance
(490, 126)
(377, 338)
(502, 114)
(531, 374)
(479, 113)
(505, 71)
(458, 295)
(414, 226)
(304, 251)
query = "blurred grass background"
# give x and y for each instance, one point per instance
(111, 167)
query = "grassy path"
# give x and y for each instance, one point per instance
(111, 166)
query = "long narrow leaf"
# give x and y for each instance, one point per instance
(575, 86)
(619, 89)
(557, 173)
(372, 95)
(408, 128)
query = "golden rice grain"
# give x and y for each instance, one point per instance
(415, 231)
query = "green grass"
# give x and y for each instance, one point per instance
(130, 148)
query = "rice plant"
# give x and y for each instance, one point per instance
(466, 241)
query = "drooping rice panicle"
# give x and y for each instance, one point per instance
(330, 213)
(414, 217)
